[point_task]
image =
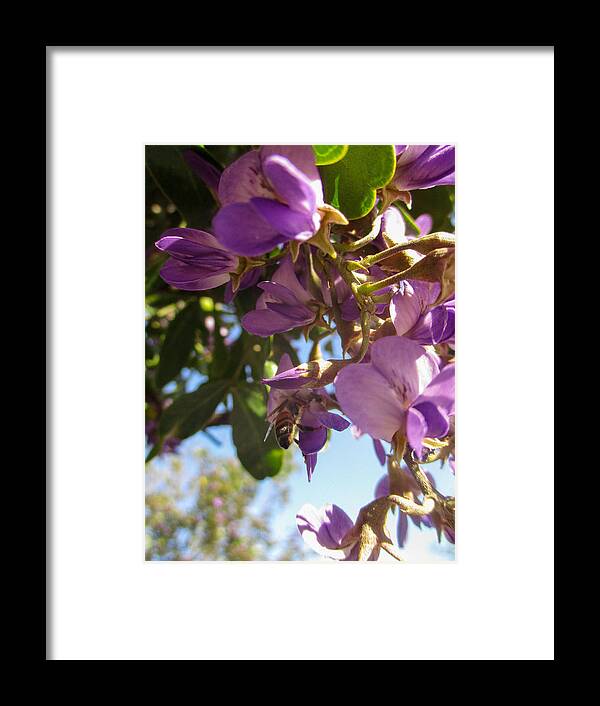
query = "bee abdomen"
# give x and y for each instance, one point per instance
(284, 433)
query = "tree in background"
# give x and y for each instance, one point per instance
(199, 506)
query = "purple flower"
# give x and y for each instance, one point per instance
(325, 530)
(198, 261)
(401, 388)
(423, 166)
(282, 307)
(311, 408)
(269, 196)
(413, 317)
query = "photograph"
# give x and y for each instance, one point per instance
(252, 384)
(300, 352)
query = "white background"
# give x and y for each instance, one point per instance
(496, 601)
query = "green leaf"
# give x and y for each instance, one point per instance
(178, 343)
(260, 458)
(190, 412)
(179, 184)
(351, 184)
(329, 154)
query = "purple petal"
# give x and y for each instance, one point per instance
(264, 322)
(243, 179)
(290, 184)
(279, 292)
(402, 529)
(436, 420)
(311, 441)
(332, 421)
(297, 313)
(302, 157)
(416, 430)
(288, 379)
(405, 308)
(424, 166)
(286, 275)
(197, 241)
(406, 365)
(191, 278)
(440, 391)
(425, 223)
(242, 230)
(292, 224)
(324, 529)
(436, 326)
(310, 461)
(379, 451)
(368, 399)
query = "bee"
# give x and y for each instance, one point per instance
(286, 420)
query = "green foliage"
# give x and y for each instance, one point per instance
(329, 154)
(180, 185)
(438, 203)
(259, 457)
(351, 184)
(190, 412)
(178, 343)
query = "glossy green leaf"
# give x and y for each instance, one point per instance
(178, 343)
(260, 458)
(179, 184)
(190, 412)
(351, 184)
(329, 154)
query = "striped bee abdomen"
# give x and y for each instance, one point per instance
(285, 429)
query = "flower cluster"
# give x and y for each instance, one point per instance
(381, 285)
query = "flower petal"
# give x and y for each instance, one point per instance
(405, 309)
(312, 441)
(243, 179)
(302, 157)
(440, 391)
(368, 399)
(297, 313)
(416, 430)
(330, 420)
(379, 451)
(286, 275)
(290, 184)
(407, 366)
(436, 419)
(292, 224)
(264, 322)
(240, 228)
(323, 529)
(190, 277)
(310, 461)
